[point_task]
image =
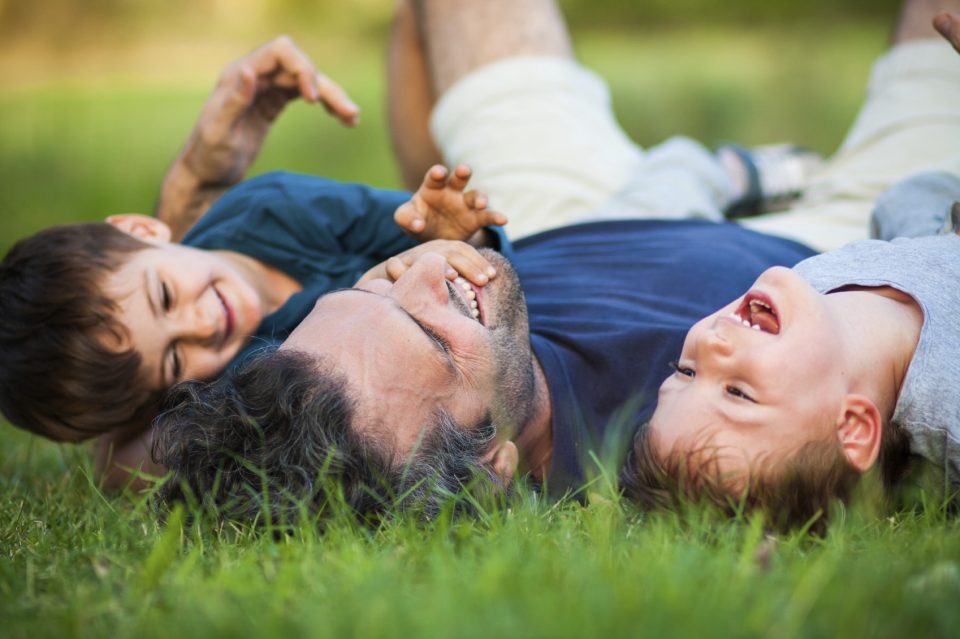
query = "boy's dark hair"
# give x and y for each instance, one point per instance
(274, 440)
(799, 491)
(58, 376)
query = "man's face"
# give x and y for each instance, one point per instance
(187, 312)
(756, 380)
(412, 348)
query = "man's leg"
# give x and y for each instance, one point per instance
(538, 129)
(910, 122)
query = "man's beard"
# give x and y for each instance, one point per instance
(510, 343)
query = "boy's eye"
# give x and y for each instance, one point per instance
(682, 370)
(165, 296)
(736, 392)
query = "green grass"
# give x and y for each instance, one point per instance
(76, 562)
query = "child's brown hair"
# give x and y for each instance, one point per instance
(58, 375)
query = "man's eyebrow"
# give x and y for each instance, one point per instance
(438, 343)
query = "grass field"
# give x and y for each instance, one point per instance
(77, 562)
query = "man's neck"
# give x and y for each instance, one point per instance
(534, 439)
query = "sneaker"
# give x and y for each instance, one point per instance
(769, 177)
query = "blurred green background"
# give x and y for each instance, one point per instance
(99, 94)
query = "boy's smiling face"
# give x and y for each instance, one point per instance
(187, 311)
(755, 381)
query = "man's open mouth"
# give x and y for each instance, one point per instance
(758, 312)
(470, 296)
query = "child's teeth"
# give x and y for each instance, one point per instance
(755, 327)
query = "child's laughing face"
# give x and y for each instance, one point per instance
(755, 381)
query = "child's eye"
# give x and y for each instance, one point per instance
(682, 370)
(165, 296)
(736, 392)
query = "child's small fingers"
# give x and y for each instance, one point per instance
(436, 177)
(408, 219)
(395, 267)
(475, 200)
(472, 266)
(459, 178)
(491, 218)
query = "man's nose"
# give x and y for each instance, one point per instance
(424, 282)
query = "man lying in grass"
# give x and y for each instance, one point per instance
(395, 389)
(100, 319)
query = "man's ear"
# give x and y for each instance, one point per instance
(142, 227)
(860, 429)
(503, 460)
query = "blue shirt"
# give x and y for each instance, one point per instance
(610, 304)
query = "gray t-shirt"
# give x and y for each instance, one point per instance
(927, 269)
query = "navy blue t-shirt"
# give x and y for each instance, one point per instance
(610, 304)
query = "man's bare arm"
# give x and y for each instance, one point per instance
(235, 120)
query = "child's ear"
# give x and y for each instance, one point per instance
(142, 227)
(859, 429)
(503, 461)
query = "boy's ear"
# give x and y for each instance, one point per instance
(142, 227)
(859, 429)
(503, 460)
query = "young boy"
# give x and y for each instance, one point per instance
(100, 319)
(787, 395)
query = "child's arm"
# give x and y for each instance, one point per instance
(250, 94)
(440, 209)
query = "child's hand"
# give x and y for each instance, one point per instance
(440, 210)
(463, 260)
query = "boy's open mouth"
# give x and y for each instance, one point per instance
(758, 312)
(228, 315)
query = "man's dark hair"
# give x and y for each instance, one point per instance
(799, 491)
(273, 440)
(58, 375)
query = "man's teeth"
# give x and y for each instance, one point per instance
(755, 327)
(471, 295)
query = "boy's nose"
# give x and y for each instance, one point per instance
(716, 342)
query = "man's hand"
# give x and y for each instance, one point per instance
(440, 209)
(234, 123)
(948, 25)
(463, 260)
